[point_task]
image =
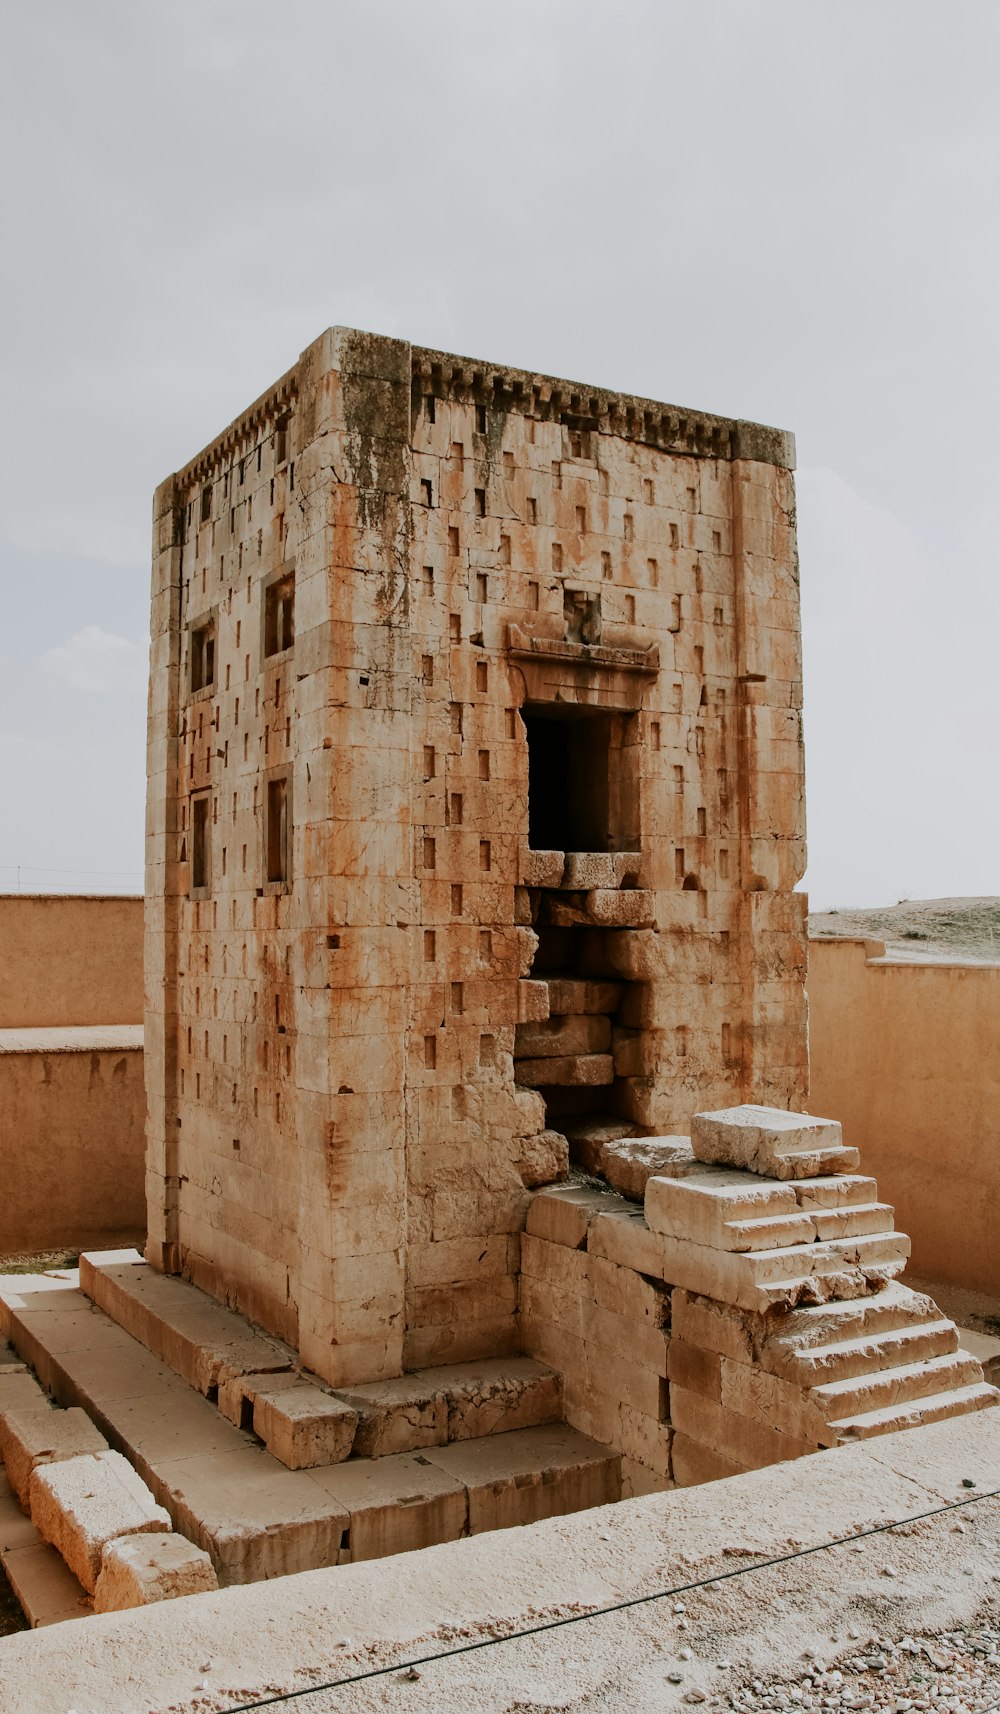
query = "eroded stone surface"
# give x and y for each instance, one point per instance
(29, 1438)
(137, 1570)
(80, 1503)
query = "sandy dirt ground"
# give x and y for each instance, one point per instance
(942, 929)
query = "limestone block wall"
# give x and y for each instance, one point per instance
(401, 587)
(906, 1055)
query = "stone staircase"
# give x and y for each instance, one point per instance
(181, 1388)
(877, 1364)
(797, 1237)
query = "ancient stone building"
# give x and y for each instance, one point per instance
(475, 810)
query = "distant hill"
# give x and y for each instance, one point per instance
(922, 928)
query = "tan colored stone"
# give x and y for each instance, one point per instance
(558, 1036)
(138, 1570)
(48, 1592)
(540, 868)
(399, 1503)
(697, 1370)
(571, 995)
(29, 1438)
(710, 1326)
(771, 1141)
(738, 1439)
(540, 1473)
(629, 1163)
(563, 1214)
(543, 1159)
(532, 1001)
(693, 1463)
(203, 1342)
(603, 869)
(584, 1070)
(302, 1426)
(80, 1503)
(621, 1235)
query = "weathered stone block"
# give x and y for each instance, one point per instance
(302, 1426)
(577, 1071)
(29, 1438)
(80, 1503)
(771, 1141)
(137, 1570)
(558, 1036)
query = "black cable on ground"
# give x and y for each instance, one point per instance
(602, 1612)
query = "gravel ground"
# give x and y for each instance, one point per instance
(957, 1670)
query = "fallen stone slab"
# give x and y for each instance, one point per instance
(137, 1570)
(32, 1437)
(81, 1503)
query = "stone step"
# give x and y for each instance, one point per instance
(772, 1142)
(463, 1401)
(203, 1342)
(785, 1277)
(893, 1306)
(45, 1587)
(846, 1358)
(735, 1209)
(858, 1395)
(767, 1233)
(531, 1474)
(891, 1418)
(255, 1518)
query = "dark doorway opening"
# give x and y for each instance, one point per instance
(568, 763)
(582, 779)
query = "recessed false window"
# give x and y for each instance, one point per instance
(278, 831)
(206, 503)
(201, 852)
(279, 615)
(203, 655)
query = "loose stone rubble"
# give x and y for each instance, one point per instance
(957, 1670)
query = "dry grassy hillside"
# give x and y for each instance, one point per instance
(922, 928)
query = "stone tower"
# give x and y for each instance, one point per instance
(475, 812)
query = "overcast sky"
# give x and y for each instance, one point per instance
(776, 209)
